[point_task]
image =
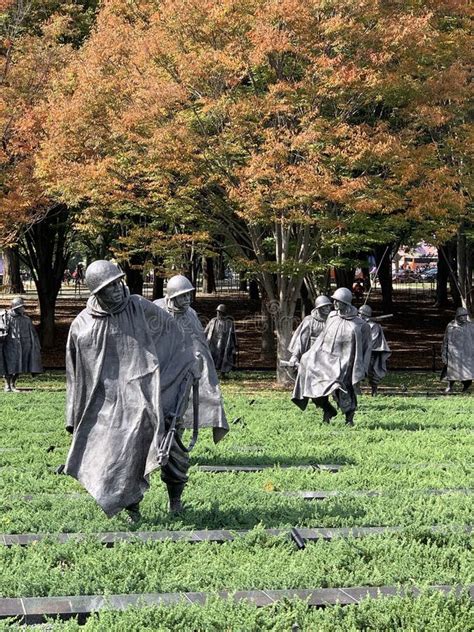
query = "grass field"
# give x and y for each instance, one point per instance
(402, 447)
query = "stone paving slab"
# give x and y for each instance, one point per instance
(324, 495)
(218, 535)
(218, 469)
(35, 610)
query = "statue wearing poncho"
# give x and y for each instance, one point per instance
(309, 329)
(380, 350)
(458, 350)
(222, 341)
(126, 361)
(21, 346)
(337, 361)
(211, 410)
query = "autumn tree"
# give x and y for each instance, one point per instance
(38, 39)
(305, 132)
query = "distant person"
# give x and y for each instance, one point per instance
(222, 340)
(458, 351)
(309, 329)
(21, 347)
(380, 350)
(336, 363)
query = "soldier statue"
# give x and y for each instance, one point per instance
(309, 329)
(458, 351)
(380, 350)
(222, 340)
(127, 371)
(21, 345)
(337, 361)
(178, 304)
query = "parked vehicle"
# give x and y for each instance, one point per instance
(429, 275)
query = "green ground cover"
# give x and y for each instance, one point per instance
(400, 446)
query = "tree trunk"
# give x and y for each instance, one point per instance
(267, 351)
(464, 262)
(306, 302)
(442, 276)
(384, 264)
(345, 277)
(208, 276)
(254, 294)
(134, 276)
(158, 285)
(44, 248)
(12, 282)
(284, 332)
(243, 285)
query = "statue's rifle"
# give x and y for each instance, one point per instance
(289, 365)
(190, 382)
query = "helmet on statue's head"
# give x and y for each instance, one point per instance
(17, 302)
(366, 311)
(178, 284)
(221, 308)
(100, 273)
(343, 295)
(321, 301)
(462, 311)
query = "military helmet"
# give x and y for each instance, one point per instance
(343, 294)
(221, 308)
(17, 302)
(178, 285)
(366, 310)
(321, 301)
(100, 273)
(462, 311)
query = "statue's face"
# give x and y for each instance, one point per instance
(220, 315)
(183, 301)
(324, 311)
(111, 295)
(19, 311)
(364, 317)
(341, 307)
(462, 319)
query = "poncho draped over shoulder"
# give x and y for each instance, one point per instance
(211, 409)
(125, 372)
(305, 334)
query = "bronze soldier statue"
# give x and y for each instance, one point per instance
(21, 346)
(178, 304)
(380, 350)
(309, 329)
(222, 340)
(458, 351)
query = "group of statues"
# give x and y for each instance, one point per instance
(140, 372)
(20, 350)
(333, 351)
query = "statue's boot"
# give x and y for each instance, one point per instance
(375, 388)
(8, 384)
(134, 514)
(328, 412)
(449, 388)
(175, 491)
(14, 388)
(466, 385)
(350, 418)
